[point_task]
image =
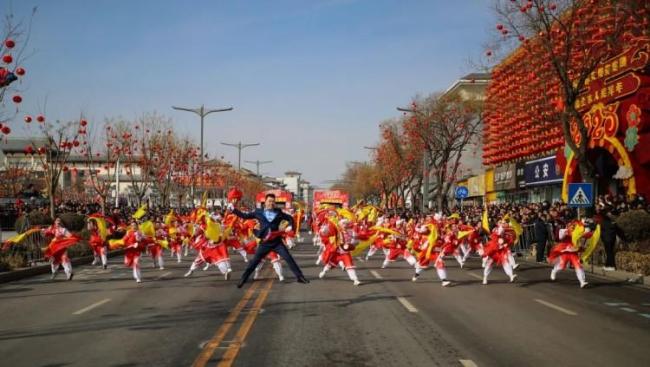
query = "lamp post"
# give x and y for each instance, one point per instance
(257, 164)
(239, 147)
(202, 112)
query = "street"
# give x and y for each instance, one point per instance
(104, 318)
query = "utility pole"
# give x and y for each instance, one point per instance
(239, 147)
(257, 164)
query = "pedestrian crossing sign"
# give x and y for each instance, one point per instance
(580, 195)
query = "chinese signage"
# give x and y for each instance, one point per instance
(614, 78)
(543, 171)
(476, 185)
(336, 197)
(504, 177)
(520, 175)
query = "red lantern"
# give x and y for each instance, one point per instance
(40, 118)
(6, 130)
(7, 59)
(17, 99)
(20, 71)
(83, 122)
(75, 143)
(65, 168)
(28, 119)
(10, 43)
(41, 150)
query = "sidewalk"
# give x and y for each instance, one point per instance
(598, 271)
(17, 274)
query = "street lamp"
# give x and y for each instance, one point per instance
(202, 112)
(425, 167)
(258, 163)
(239, 147)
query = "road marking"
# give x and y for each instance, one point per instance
(645, 304)
(475, 276)
(407, 304)
(94, 305)
(646, 315)
(375, 274)
(164, 275)
(213, 344)
(231, 353)
(555, 307)
(616, 304)
(627, 309)
(467, 363)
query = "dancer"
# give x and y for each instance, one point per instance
(270, 237)
(57, 250)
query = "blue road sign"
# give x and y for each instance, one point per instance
(461, 192)
(581, 195)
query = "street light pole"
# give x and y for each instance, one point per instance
(258, 163)
(425, 167)
(239, 147)
(202, 112)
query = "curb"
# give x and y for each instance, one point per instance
(630, 278)
(14, 275)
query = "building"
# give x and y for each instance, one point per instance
(300, 188)
(523, 131)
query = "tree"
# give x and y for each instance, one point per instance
(94, 155)
(360, 181)
(441, 127)
(61, 138)
(563, 43)
(15, 38)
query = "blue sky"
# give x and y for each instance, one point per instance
(309, 80)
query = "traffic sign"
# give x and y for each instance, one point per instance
(462, 192)
(581, 195)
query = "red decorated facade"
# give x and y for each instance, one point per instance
(522, 120)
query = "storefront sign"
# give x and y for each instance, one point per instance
(504, 177)
(520, 175)
(476, 185)
(543, 171)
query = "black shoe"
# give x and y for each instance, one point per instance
(241, 283)
(70, 276)
(303, 280)
(105, 266)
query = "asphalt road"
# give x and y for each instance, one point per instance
(104, 318)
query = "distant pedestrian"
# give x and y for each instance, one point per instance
(541, 236)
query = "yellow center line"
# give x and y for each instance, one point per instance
(231, 353)
(213, 344)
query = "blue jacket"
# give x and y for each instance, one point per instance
(265, 225)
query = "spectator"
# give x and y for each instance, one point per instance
(541, 236)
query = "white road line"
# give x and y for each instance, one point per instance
(475, 276)
(646, 315)
(627, 309)
(555, 307)
(407, 304)
(94, 305)
(616, 304)
(375, 274)
(467, 363)
(163, 275)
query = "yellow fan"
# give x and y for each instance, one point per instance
(485, 223)
(169, 218)
(148, 229)
(591, 244)
(142, 210)
(432, 238)
(212, 230)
